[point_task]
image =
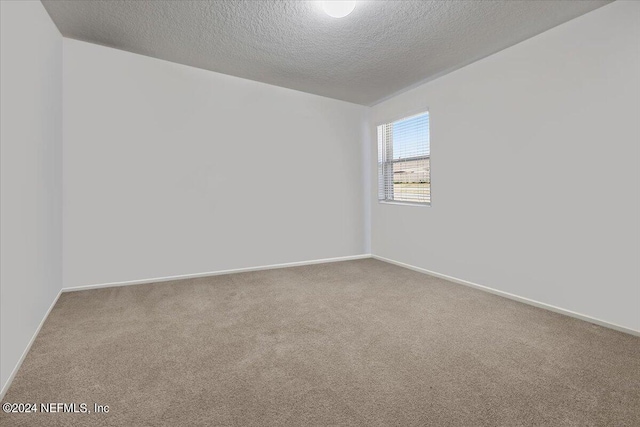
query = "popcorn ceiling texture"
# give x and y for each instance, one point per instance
(382, 48)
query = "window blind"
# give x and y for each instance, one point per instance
(404, 163)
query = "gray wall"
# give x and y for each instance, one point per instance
(31, 187)
(173, 170)
(535, 182)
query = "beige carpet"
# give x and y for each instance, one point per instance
(352, 343)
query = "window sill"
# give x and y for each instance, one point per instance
(391, 202)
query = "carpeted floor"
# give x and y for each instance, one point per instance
(351, 343)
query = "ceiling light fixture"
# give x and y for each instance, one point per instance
(338, 9)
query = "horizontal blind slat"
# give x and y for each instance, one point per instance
(404, 163)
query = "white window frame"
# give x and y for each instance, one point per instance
(393, 120)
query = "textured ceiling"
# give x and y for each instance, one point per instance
(382, 48)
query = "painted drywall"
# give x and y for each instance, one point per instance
(535, 182)
(31, 177)
(172, 170)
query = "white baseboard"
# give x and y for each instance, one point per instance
(215, 273)
(26, 350)
(513, 297)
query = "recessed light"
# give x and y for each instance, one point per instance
(338, 9)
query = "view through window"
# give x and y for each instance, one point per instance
(404, 163)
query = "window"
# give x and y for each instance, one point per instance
(404, 163)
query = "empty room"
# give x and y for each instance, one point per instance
(320, 213)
